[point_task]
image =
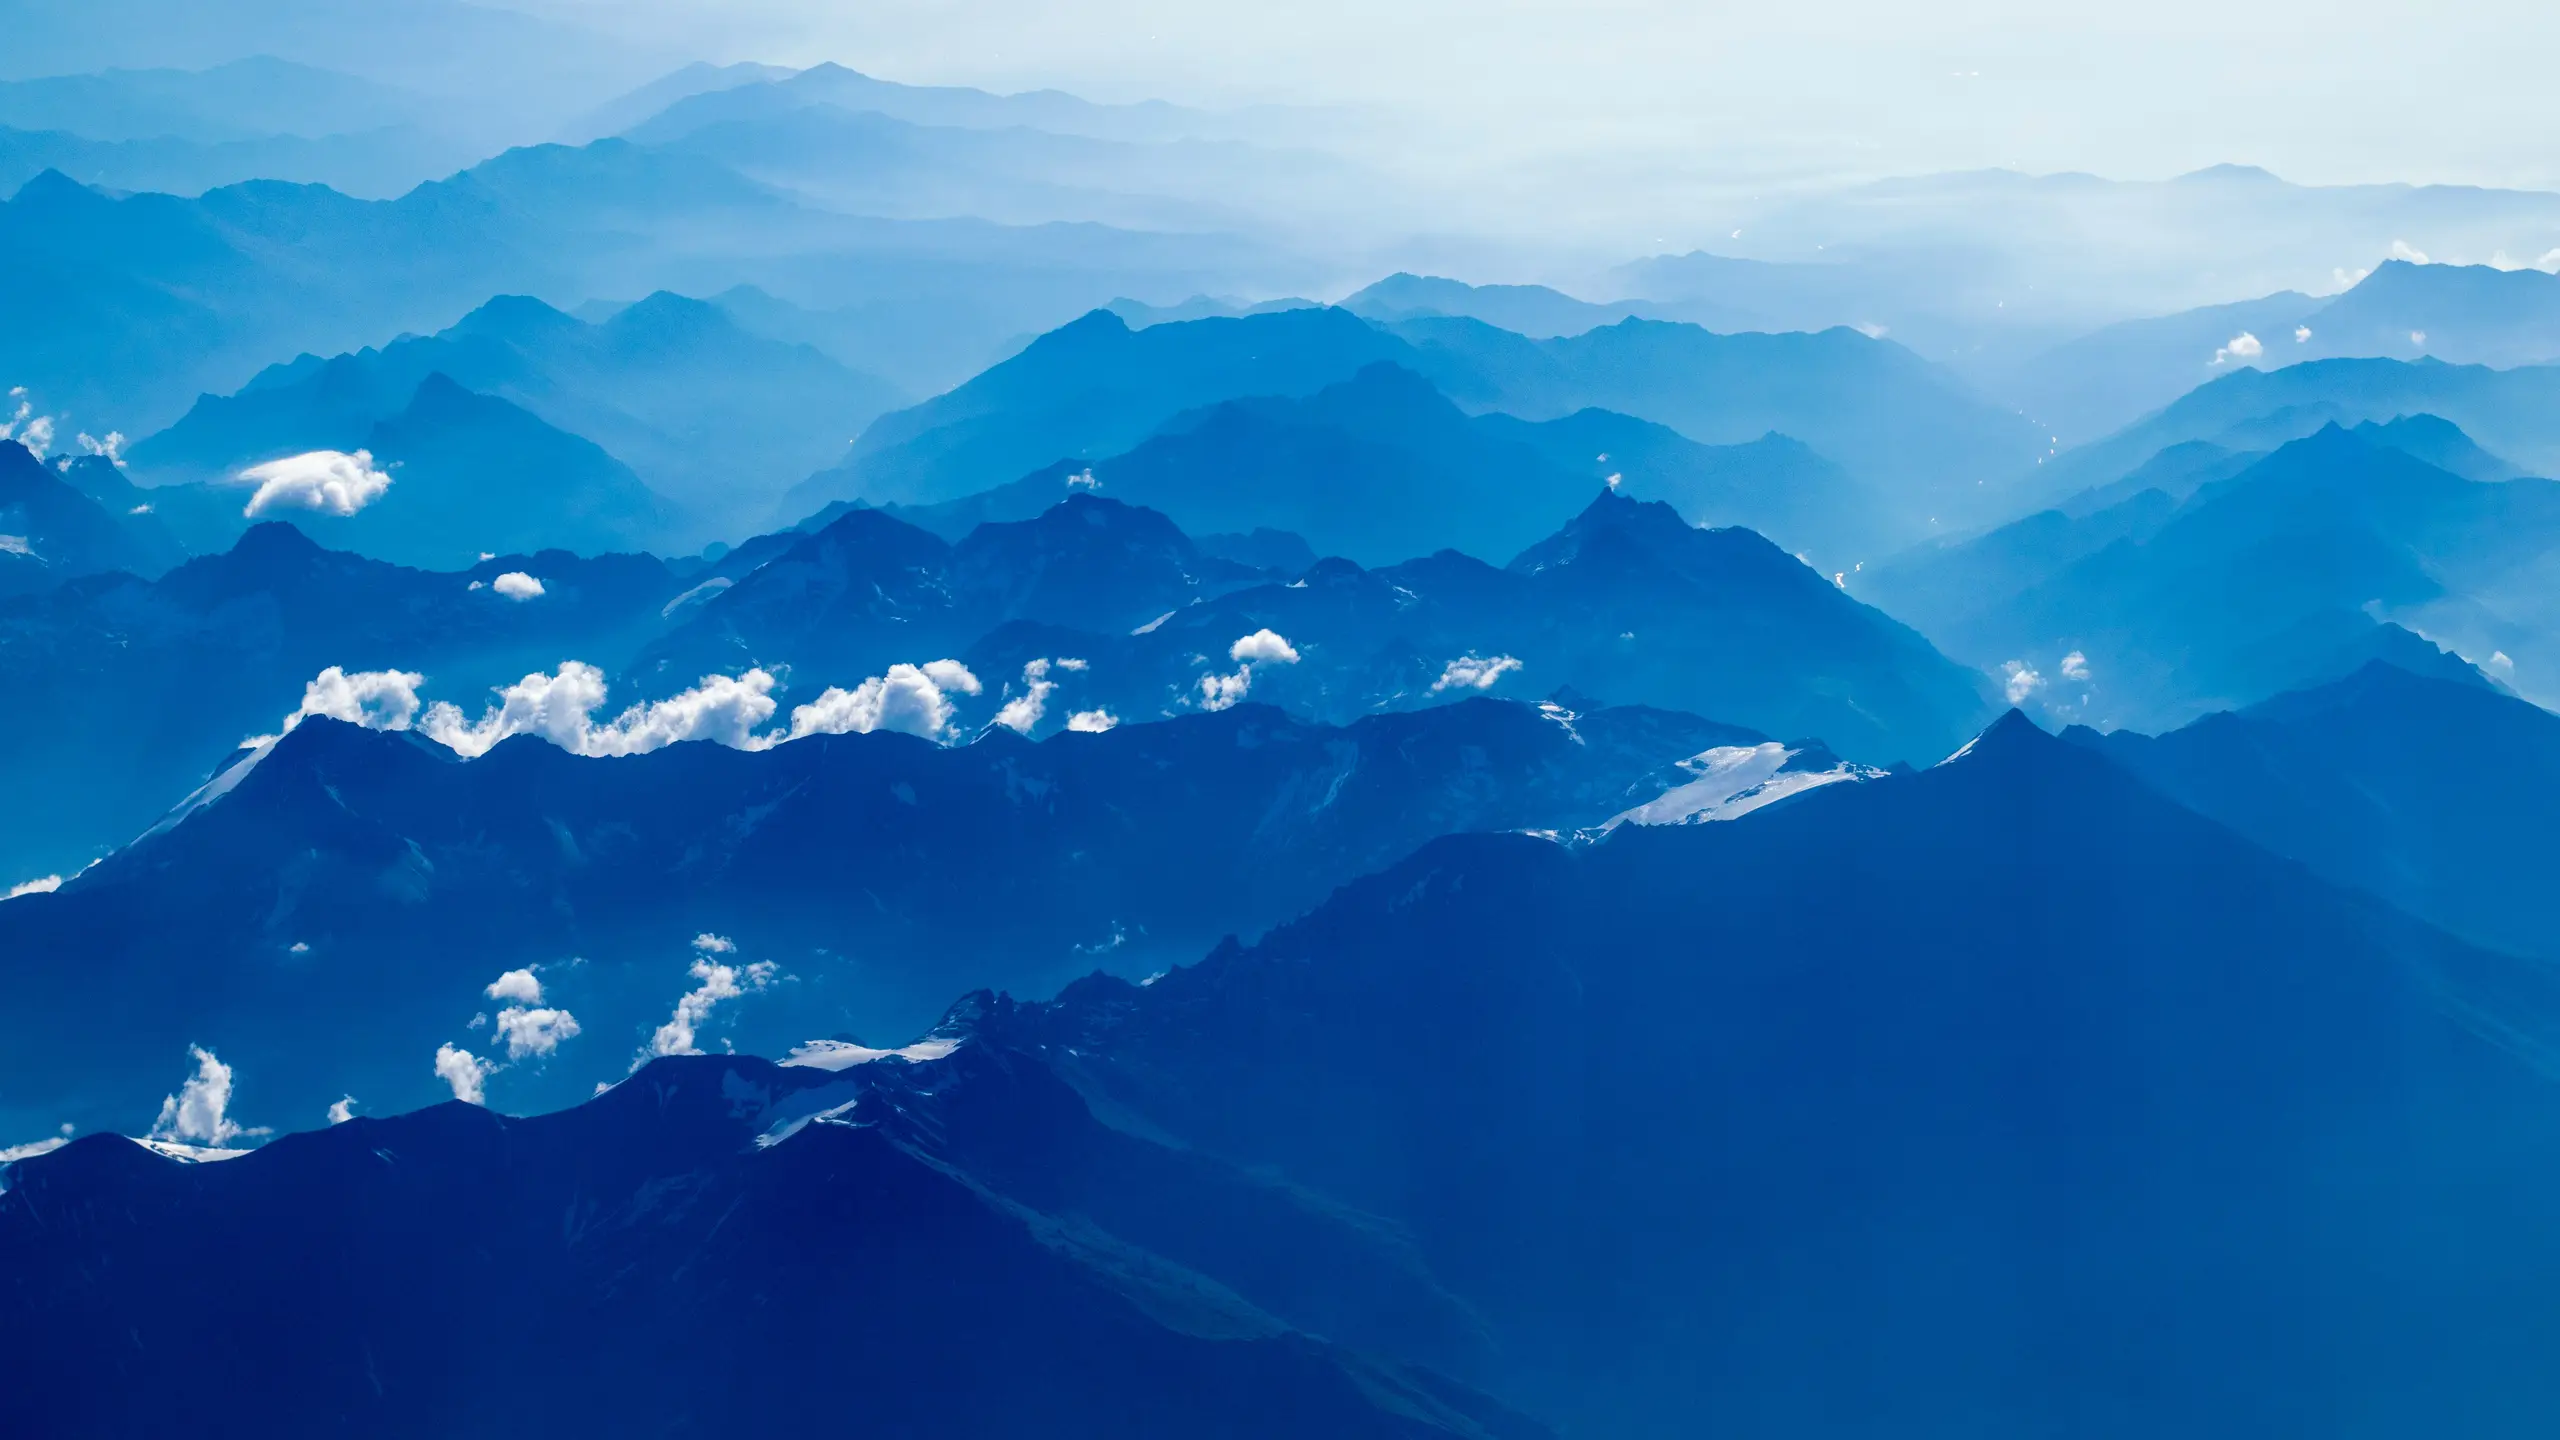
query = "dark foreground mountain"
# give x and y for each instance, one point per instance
(2434, 792)
(2007, 1098)
(344, 905)
(954, 1248)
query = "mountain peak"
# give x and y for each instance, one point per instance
(2005, 740)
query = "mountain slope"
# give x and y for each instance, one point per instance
(2085, 1115)
(718, 1228)
(2429, 792)
(51, 532)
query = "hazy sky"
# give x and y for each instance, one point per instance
(2318, 90)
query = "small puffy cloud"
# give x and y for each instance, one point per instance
(41, 885)
(718, 981)
(710, 944)
(20, 422)
(2403, 250)
(561, 708)
(467, 1073)
(342, 1110)
(910, 699)
(199, 1114)
(1473, 672)
(1263, 647)
(2075, 666)
(2346, 279)
(517, 585)
(1092, 722)
(2022, 681)
(2243, 347)
(1021, 713)
(110, 449)
(331, 482)
(517, 985)
(2301, 334)
(2417, 337)
(537, 1031)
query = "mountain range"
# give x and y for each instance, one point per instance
(1632, 1150)
(2171, 603)
(716, 418)
(374, 876)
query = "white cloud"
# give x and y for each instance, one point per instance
(910, 699)
(374, 699)
(1023, 711)
(342, 1110)
(710, 944)
(1092, 722)
(199, 1114)
(719, 982)
(465, 1072)
(2023, 681)
(517, 585)
(331, 482)
(41, 885)
(2075, 666)
(1263, 647)
(2348, 279)
(2550, 260)
(534, 1031)
(2301, 334)
(2243, 346)
(2417, 337)
(2403, 250)
(561, 707)
(21, 423)
(111, 448)
(517, 985)
(1473, 672)
(12, 1154)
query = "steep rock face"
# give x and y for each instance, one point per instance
(2006, 1095)
(802, 1245)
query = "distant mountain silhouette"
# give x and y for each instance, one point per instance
(2277, 577)
(1096, 389)
(714, 417)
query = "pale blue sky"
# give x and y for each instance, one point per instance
(2319, 90)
